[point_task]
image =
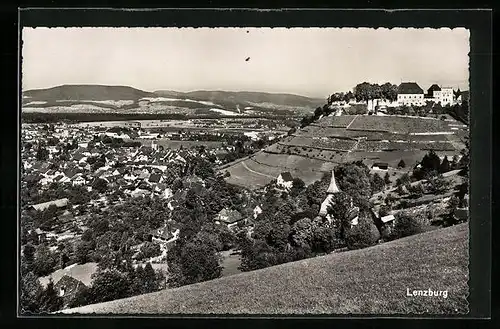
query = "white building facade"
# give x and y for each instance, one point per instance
(410, 93)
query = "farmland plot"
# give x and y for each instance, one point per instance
(323, 143)
(392, 158)
(308, 176)
(336, 121)
(400, 124)
(294, 162)
(241, 175)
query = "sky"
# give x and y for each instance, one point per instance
(312, 62)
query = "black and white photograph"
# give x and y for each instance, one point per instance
(244, 171)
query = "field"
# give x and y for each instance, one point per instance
(80, 272)
(340, 139)
(374, 280)
(337, 121)
(172, 144)
(241, 175)
(259, 170)
(399, 124)
(230, 263)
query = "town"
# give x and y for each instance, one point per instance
(135, 196)
(244, 171)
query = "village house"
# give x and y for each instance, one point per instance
(285, 180)
(59, 203)
(67, 288)
(380, 166)
(229, 217)
(257, 211)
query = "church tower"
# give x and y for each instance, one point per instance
(333, 188)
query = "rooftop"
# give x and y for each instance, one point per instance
(410, 88)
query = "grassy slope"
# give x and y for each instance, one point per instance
(368, 281)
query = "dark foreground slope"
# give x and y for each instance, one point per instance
(373, 280)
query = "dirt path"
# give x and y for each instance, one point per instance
(351, 122)
(255, 172)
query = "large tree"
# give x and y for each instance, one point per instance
(49, 300)
(191, 262)
(30, 293)
(389, 91)
(44, 260)
(108, 285)
(354, 179)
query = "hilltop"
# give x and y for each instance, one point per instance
(87, 92)
(368, 281)
(246, 98)
(120, 99)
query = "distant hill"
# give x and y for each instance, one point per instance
(99, 98)
(247, 98)
(87, 92)
(368, 281)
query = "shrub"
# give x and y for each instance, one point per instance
(401, 164)
(386, 233)
(363, 235)
(384, 211)
(407, 225)
(148, 250)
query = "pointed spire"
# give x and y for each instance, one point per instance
(333, 185)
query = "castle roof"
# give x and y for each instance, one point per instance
(409, 88)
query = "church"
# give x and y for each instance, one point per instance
(353, 212)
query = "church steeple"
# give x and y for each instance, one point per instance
(333, 185)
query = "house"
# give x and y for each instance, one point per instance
(65, 217)
(285, 180)
(61, 179)
(167, 193)
(155, 178)
(353, 216)
(78, 180)
(228, 217)
(387, 220)
(257, 211)
(446, 96)
(410, 93)
(380, 166)
(162, 233)
(67, 288)
(433, 93)
(59, 203)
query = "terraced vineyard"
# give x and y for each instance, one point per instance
(342, 121)
(320, 146)
(399, 124)
(323, 143)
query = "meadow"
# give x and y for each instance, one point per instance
(374, 280)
